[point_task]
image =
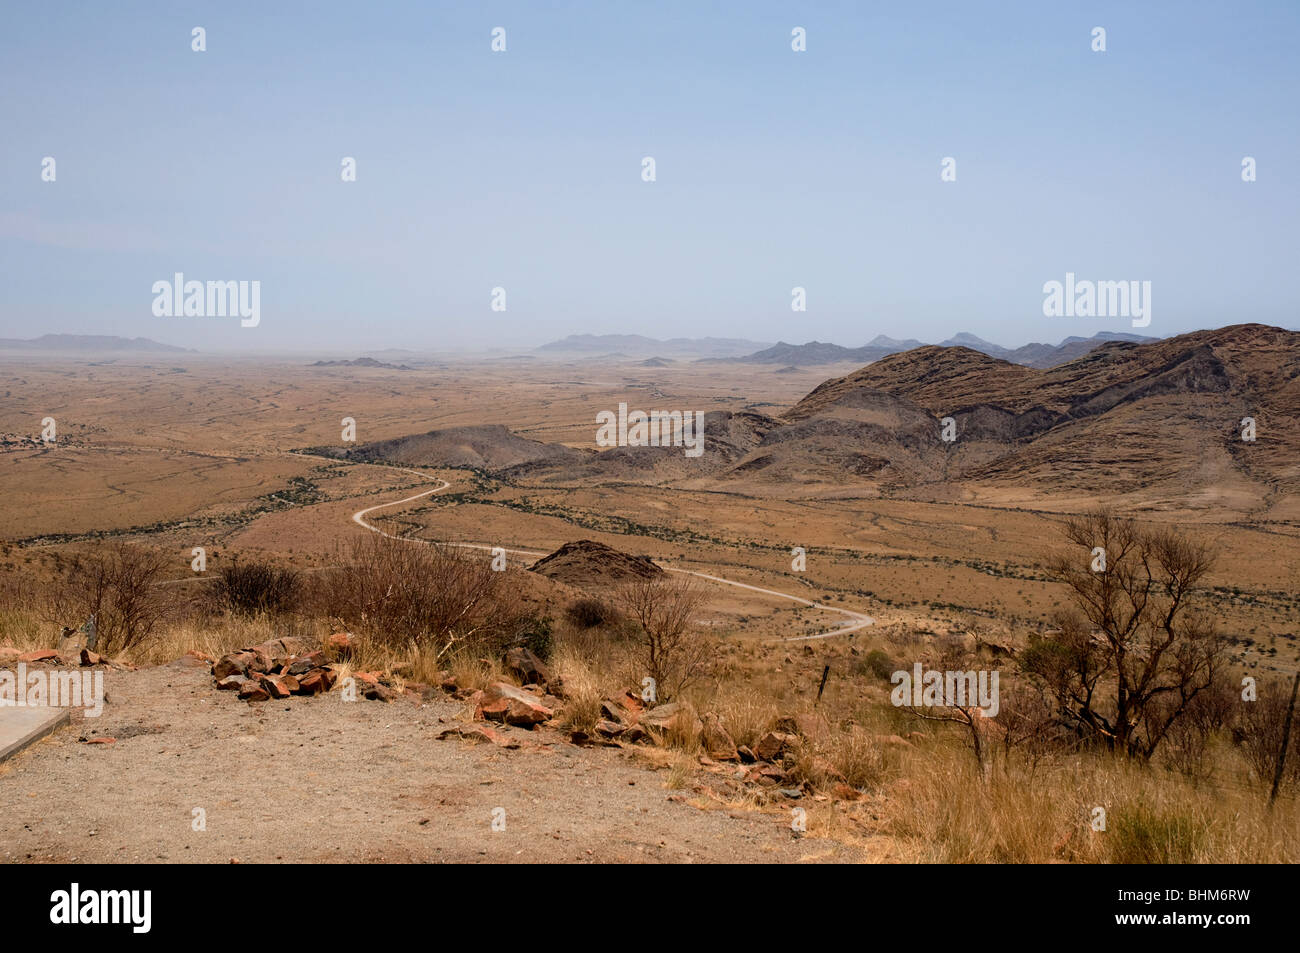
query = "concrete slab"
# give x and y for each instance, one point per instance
(19, 727)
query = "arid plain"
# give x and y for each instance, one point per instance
(941, 546)
(187, 451)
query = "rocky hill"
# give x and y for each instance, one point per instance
(489, 446)
(587, 564)
(1157, 422)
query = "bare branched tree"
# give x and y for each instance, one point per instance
(1135, 653)
(663, 609)
(981, 731)
(118, 584)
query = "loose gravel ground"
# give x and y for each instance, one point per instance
(321, 780)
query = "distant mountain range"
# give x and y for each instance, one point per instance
(364, 362)
(591, 345)
(1041, 356)
(89, 344)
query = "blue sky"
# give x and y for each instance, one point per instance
(522, 169)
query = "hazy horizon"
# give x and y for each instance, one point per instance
(325, 351)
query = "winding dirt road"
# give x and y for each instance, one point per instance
(856, 620)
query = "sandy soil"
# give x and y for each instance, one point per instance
(322, 780)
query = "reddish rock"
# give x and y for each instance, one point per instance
(233, 663)
(636, 735)
(478, 734)
(260, 661)
(609, 729)
(843, 792)
(231, 683)
(106, 740)
(380, 692)
(449, 684)
(274, 685)
(504, 702)
(201, 656)
(615, 712)
(772, 744)
(746, 756)
(290, 682)
(270, 655)
(341, 644)
(253, 692)
(367, 678)
(672, 716)
(525, 666)
(40, 655)
(302, 664)
(316, 681)
(91, 658)
(717, 743)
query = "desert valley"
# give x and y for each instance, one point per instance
(851, 516)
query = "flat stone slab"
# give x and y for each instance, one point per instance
(19, 727)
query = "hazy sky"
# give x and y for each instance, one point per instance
(522, 169)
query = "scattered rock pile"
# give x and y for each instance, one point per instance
(280, 668)
(84, 657)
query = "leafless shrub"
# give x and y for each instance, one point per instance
(431, 597)
(1259, 726)
(589, 613)
(663, 609)
(1133, 656)
(1189, 740)
(257, 585)
(118, 584)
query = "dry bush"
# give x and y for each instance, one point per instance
(1135, 652)
(1259, 725)
(117, 584)
(682, 734)
(473, 672)
(663, 609)
(590, 613)
(257, 585)
(857, 755)
(853, 756)
(747, 714)
(435, 598)
(582, 690)
(22, 612)
(1189, 747)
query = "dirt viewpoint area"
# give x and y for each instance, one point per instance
(321, 780)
